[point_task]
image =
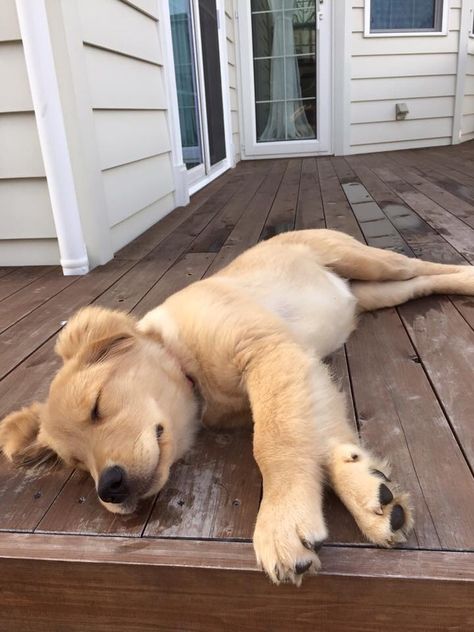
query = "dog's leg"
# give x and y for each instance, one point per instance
(371, 296)
(363, 483)
(353, 260)
(294, 404)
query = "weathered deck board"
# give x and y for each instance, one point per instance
(410, 409)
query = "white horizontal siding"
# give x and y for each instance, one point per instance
(128, 135)
(416, 70)
(117, 81)
(402, 88)
(20, 200)
(128, 98)
(117, 26)
(149, 7)
(123, 232)
(29, 252)
(27, 232)
(9, 28)
(132, 187)
(20, 155)
(15, 94)
(422, 108)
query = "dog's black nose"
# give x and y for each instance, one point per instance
(113, 486)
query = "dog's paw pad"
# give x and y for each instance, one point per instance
(397, 518)
(302, 567)
(385, 495)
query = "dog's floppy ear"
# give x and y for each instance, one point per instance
(19, 438)
(94, 328)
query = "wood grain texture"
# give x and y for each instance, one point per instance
(406, 375)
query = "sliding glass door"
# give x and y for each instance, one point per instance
(196, 51)
(286, 53)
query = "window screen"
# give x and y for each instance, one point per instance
(405, 15)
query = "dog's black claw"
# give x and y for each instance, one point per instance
(385, 495)
(277, 573)
(397, 518)
(380, 475)
(302, 567)
(313, 546)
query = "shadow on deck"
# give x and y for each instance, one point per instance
(185, 561)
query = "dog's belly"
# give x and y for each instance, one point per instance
(316, 304)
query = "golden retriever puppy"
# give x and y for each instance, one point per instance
(131, 395)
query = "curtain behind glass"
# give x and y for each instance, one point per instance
(403, 14)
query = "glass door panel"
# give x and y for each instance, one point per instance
(186, 82)
(284, 40)
(212, 80)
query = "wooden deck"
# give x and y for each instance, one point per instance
(185, 561)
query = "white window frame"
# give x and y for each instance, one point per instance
(442, 32)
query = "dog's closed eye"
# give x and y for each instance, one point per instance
(95, 413)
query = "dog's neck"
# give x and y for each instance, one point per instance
(161, 328)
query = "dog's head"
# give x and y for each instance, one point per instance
(120, 407)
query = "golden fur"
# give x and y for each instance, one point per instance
(253, 336)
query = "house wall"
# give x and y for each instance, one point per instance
(125, 74)
(231, 35)
(418, 71)
(27, 232)
(467, 121)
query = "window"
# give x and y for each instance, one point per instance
(405, 16)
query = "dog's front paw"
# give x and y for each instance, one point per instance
(287, 538)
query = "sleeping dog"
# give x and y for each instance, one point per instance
(246, 343)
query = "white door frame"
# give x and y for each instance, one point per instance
(186, 182)
(323, 144)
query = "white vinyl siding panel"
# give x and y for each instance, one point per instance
(19, 197)
(124, 136)
(27, 232)
(128, 98)
(232, 68)
(9, 27)
(114, 25)
(29, 252)
(120, 82)
(123, 232)
(15, 94)
(417, 70)
(132, 187)
(20, 155)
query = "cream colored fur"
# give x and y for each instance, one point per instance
(252, 336)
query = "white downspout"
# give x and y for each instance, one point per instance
(52, 134)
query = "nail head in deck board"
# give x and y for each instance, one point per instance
(199, 499)
(405, 422)
(21, 506)
(77, 510)
(445, 343)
